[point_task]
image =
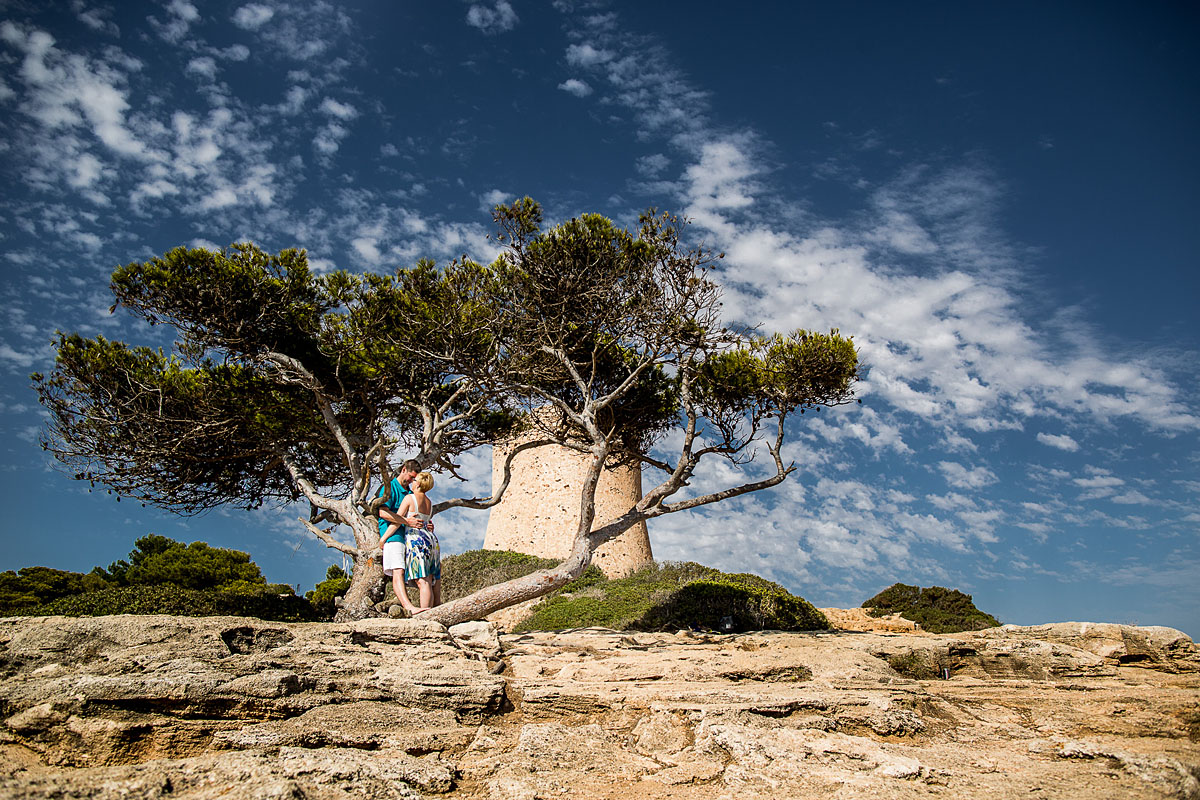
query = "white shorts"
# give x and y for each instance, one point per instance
(393, 558)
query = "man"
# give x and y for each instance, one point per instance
(393, 551)
(387, 512)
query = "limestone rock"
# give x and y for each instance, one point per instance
(249, 775)
(479, 638)
(1155, 647)
(163, 707)
(859, 619)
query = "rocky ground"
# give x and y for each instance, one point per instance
(192, 708)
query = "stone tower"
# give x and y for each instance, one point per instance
(540, 509)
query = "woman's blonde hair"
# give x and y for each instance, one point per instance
(424, 481)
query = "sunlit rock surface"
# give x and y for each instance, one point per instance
(171, 707)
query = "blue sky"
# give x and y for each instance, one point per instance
(997, 200)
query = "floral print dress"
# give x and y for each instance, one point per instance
(423, 554)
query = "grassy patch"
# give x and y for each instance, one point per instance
(467, 573)
(675, 595)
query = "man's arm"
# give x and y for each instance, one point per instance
(386, 513)
(411, 521)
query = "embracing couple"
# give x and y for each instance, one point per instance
(410, 548)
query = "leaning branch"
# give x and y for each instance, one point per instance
(497, 494)
(326, 537)
(656, 508)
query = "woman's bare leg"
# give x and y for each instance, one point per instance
(425, 587)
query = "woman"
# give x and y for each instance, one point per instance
(423, 560)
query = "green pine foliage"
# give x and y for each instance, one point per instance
(324, 593)
(676, 595)
(29, 587)
(936, 609)
(156, 559)
(162, 576)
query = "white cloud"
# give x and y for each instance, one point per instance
(328, 139)
(253, 16)
(333, 108)
(866, 427)
(294, 100)
(204, 66)
(642, 78)
(181, 16)
(87, 171)
(1132, 497)
(962, 477)
(218, 198)
(652, 165)
(236, 52)
(900, 232)
(1100, 479)
(585, 55)
(67, 91)
(500, 18)
(1062, 442)
(576, 87)
(1100, 485)
(489, 200)
(94, 18)
(368, 250)
(22, 359)
(946, 344)
(951, 502)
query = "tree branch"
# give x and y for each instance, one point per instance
(327, 538)
(323, 402)
(497, 494)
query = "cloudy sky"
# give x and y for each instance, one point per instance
(998, 201)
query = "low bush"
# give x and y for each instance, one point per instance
(921, 665)
(467, 573)
(936, 609)
(674, 595)
(167, 599)
(324, 593)
(29, 587)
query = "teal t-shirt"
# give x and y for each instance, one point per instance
(399, 492)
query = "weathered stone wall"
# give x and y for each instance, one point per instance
(540, 509)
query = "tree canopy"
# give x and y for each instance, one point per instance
(282, 384)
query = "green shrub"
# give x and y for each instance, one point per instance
(670, 596)
(286, 607)
(29, 587)
(920, 665)
(936, 609)
(166, 599)
(467, 573)
(324, 593)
